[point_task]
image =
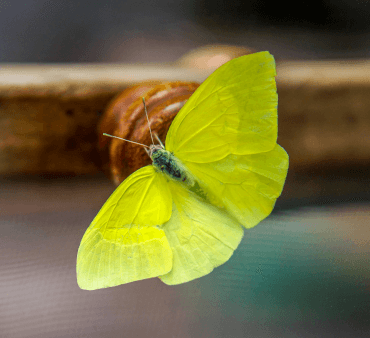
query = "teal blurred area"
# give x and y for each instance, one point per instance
(302, 272)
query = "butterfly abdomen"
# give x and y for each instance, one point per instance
(167, 163)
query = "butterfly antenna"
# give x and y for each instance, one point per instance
(146, 113)
(120, 138)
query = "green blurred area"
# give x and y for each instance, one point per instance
(300, 273)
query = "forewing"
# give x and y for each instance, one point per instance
(125, 241)
(234, 111)
(201, 236)
(246, 186)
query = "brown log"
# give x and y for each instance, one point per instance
(49, 114)
(324, 113)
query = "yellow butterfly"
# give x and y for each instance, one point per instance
(221, 169)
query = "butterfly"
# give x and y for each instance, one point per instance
(221, 170)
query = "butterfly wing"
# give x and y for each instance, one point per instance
(125, 242)
(201, 236)
(234, 111)
(246, 185)
(226, 136)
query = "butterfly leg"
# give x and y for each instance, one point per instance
(158, 139)
(147, 151)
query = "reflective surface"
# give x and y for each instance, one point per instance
(300, 273)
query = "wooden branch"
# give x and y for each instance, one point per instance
(49, 113)
(324, 113)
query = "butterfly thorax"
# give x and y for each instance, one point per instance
(167, 163)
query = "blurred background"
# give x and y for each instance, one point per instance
(302, 272)
(163, 30)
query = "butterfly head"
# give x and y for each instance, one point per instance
(155, 151)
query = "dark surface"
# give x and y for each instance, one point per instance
(300, 273)
(162, 30)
